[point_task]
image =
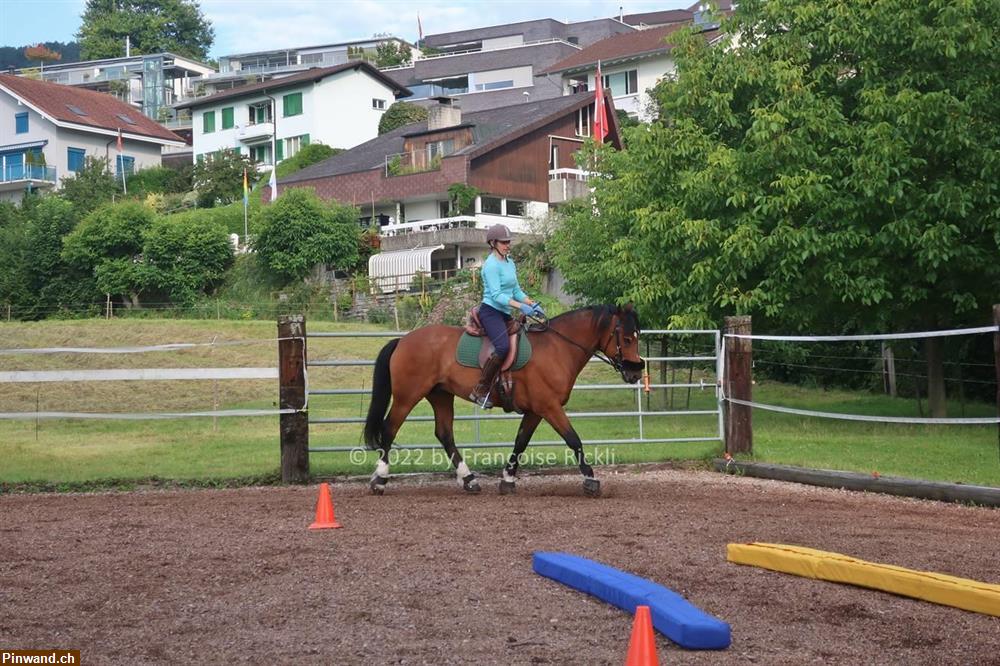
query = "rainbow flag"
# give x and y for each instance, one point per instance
(246, 189)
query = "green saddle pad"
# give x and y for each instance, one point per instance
(468, 351)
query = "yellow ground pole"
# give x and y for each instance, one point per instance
(938, 588)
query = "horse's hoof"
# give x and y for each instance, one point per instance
(507, 487)
(377, 484)
(471, 485)
(591, 487)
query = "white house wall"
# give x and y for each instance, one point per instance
(336, 111)
(649, 71)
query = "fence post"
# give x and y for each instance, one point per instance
(996, 361)
(292, 395)
(888, 370)
(737, 383)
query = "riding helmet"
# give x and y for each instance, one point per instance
(498, 232)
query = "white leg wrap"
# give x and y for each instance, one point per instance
(462, 471)
(382, 469)
(507, 477)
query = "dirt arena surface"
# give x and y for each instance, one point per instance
(427, 575)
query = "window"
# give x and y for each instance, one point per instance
(260, 113)
(378, 104)
(573, 40)
(622, 83)
(261, 154)
(124, 118)
(228, 119)
(515, 208)
(554, 157)
(440, 148)
(583, 121)
(293, 144)
(491, 205)
(21, 123)
(208, 122)
(494, 85)
(292, 104)
(124, 163)
(75, 157)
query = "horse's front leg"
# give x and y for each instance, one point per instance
(508, 480)
(560, 423)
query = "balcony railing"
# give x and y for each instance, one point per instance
(446, 54)
(256, 132)
(404, 164)
(13, 173)
(567, 184)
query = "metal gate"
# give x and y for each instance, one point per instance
(478, 417)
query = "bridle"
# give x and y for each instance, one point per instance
(618, 362)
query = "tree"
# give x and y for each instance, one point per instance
(834, 169)
(392, 54)
(184, 256)
(42, 54)
(219, 178)
(92, 186)
(399, 114)
(299, 231)
(108, 245)
(152, 26)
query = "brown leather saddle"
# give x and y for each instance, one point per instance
(503, 388)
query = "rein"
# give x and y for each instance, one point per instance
(615, 363)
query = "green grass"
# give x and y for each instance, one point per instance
(84, 454)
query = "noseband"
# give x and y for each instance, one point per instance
(618, 362)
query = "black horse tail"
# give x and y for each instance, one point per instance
(381, 394)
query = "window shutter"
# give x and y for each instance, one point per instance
(279, 148)
(208, 122)
(228, 121)
(305, 139)
(292, 104)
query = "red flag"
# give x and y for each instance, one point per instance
(120, 144)
(600, 112)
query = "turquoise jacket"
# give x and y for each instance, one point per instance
(500, 283)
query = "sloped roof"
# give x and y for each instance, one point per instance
(491, 128)
(659, 18)
(619, 47)
(101, 110)
(310, 75)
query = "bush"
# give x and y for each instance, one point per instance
(399, 114)
(307, 156)
(160, 180)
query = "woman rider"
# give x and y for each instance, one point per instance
(501, 293)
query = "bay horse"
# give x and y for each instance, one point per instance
(423, 364)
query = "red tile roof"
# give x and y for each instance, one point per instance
(102, 109)
(618, 47)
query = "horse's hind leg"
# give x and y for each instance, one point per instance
(529, 422)
(402, 405)
(444, 419)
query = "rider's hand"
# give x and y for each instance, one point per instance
(536, 310)
(526, 309)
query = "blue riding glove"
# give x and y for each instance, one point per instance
(526, 309)
(537, 310)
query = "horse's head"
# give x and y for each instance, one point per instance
(622, 345)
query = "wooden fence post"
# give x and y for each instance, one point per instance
(292, 395)
(737, 384)
(996, 361)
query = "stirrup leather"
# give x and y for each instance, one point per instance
(481, 394)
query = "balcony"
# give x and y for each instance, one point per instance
(255, 133)
(404, 164)
(21, 177)
(567, 184)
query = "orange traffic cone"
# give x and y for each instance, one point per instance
(642, 644)
(324, 510)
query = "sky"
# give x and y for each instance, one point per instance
(254, 25)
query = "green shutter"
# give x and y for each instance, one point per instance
(228, 122)
(305, 139)
(292, 104)
(279, 148)
(208, 122)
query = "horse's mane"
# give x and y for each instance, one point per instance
(601, 313)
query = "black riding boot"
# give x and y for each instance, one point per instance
(481, 394)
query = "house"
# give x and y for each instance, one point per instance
(339, 106)
(47, 130)
(501, 65)
(631, 65)
(240, 69)
(519, 159)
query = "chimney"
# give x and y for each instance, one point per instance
(445, 113)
